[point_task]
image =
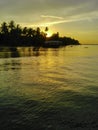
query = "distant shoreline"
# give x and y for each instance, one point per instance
(12, 34)
(89, 44)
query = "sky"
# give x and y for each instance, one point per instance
(72, 18)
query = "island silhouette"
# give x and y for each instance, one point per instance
(12, 34)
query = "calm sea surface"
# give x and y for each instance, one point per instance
(49, 89)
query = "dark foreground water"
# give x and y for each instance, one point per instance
(49, 89)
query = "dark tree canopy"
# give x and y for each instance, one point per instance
(12, 34)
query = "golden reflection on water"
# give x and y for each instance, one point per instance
(49, 87)
(43, 73)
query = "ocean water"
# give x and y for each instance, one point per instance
(49, 89)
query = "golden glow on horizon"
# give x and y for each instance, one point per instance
(49, 34)
(77, 19)
(73, 29)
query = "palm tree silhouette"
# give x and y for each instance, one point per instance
(4, 28)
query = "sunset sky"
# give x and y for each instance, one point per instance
(74, 18)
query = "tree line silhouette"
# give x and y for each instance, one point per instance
(12, 34)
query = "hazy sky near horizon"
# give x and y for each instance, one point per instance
(74, 18)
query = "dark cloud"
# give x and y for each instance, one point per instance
(48, 6)
(31, 10)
